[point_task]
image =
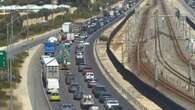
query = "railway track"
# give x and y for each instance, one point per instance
(176, 45)
(142, 67)
(140, 54)
(168, 67)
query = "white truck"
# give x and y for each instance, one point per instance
(50, 68)
(52, 86)
(67, 27)
(70, 36)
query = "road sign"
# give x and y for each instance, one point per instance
(3, 60)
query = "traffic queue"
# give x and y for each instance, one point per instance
(56, 56)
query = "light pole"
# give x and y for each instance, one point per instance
(9, 62)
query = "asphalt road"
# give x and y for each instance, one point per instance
(36, 92)
(65, 95)
(90, 59)
(68, 98)
(15, 49)
(35, 88)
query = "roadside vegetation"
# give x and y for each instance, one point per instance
(103, 38)
(4, 80)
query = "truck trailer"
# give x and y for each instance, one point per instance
(50, 68)
(67, 27)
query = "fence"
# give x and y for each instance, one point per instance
(190, 22)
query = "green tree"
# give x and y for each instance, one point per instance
(45, 13)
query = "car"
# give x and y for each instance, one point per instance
(81, 66)
(73, 87)
(94, 107)
(79, 55)
(80, 61)
(87, 101)
(77, 95)
(69, 78)
(103, 96)
(109, 103)
(54, 97)
(108, 98)
(89, 76)
(67, 107)
(85, 69)
(98, 89)
(85, 43)
(91, 82)
(114, 108)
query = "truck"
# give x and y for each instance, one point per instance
(76, 27)
(70, 37)
(49, 48)
(50, 68)
(87, 101)
(67, 27)
(52, 85)
(53, 89)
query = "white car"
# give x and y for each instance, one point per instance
(94, 108)
(79, 55)
(86, 43)
(109, 103)
(89, 76)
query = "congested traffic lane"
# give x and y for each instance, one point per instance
(90, 60)
(66, 96)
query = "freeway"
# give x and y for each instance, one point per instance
(37, 96)
(90, 59)
(67, 97)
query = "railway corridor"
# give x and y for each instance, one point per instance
(170, 65)
(157, 58)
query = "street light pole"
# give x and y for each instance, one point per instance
(9, 41)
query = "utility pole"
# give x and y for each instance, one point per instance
(9, 45)
(122, 54)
